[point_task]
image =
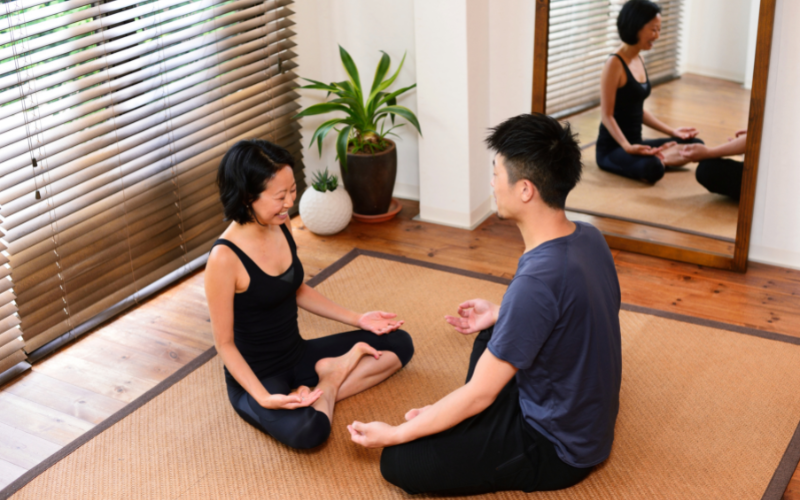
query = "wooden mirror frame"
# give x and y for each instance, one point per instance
(755, 124)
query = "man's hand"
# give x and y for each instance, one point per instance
(738, 133)
(695, 152)
(373, 434)
(379, 322)
(474, 315)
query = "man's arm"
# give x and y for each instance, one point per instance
(491, 375)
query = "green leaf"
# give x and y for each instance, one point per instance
(324, 107)
(380, 71)
(391, 99)
(402, 111)
(385, 85)
(341, 147)
(322, 131)
(352, 71)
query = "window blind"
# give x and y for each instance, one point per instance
(113, 119)
(582, 34)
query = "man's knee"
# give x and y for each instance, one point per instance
(393, 468)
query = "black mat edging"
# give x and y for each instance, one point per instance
(84, 438)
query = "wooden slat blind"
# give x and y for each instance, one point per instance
(113, 119)
(582, 35)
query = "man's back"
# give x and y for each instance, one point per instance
(559, 325)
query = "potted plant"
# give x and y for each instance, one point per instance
(368, 160)
(323, 208)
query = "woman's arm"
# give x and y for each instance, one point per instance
(220, 287)
(378, 322)
(651, 121)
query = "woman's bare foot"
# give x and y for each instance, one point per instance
(335, 370)
(672, 157)
(411, 414)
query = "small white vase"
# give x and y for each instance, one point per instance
(326, 213)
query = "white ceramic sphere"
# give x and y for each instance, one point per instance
(326, 213)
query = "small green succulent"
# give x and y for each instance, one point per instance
(323, 181)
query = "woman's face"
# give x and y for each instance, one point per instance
(650, 33)
(273, 204)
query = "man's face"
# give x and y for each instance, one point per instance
(503, 193)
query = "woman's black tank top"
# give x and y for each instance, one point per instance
(265, 316)
(628, 111)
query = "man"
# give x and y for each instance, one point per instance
(542, 393)
(717, 174)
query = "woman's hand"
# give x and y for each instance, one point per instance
(684, 132)
(379, 322)
(645, 150)
(373, 434)
(303, 396)
(474, 315)
(695, 152)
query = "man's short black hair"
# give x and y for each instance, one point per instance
(537, 148)
(243, 174)
(632, 18)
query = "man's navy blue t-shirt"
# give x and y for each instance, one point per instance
(559, 325)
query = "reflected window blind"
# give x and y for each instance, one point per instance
(113, 119)
(582, 34)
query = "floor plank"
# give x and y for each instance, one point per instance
(40, 420)
(66, 398)
(9, 473)
(22, 449)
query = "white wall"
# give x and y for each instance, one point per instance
(775, 237)
(363, 28)
(714, 39)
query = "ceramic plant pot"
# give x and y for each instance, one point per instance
(326, 213)
(370, 180)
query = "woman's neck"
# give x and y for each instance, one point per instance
(629, 52)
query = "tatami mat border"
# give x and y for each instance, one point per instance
(775, 489)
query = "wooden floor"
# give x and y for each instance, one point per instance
(77, 387)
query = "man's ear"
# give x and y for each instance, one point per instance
(528, 191)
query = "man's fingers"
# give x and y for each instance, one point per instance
(467, 304)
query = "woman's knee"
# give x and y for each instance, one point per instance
(311, 428)
(652, 170)
(401, 344)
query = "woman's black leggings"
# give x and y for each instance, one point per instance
(721, 176)
(647, 168)
(307, 427)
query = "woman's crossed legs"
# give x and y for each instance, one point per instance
(340, 365)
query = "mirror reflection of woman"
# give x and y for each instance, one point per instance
(254, 285)
(624, 86)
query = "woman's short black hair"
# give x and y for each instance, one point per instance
(537, 148)
(243, 174)
(632, 18)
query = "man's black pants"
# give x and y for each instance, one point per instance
(494, 450)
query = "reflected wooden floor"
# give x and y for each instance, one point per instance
(86, 381)
(718, 108)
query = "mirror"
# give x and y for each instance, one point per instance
(675, 217)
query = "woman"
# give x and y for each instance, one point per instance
(624, 86)
(254, 285)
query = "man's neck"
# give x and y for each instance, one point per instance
(543, 225)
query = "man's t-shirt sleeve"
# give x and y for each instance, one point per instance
(528, 314)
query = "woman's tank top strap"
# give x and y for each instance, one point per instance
(290, 239)
(247, 262)
(628, 70)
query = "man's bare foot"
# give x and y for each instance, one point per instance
(411, 414)
(337, 369)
